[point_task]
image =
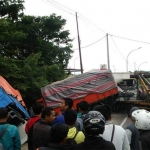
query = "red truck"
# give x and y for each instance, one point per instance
(92, 86)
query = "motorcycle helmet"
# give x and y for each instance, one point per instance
(94, 123)
(142, 119)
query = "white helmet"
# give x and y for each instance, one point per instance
(142, 119)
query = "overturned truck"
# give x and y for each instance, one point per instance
(11, 99)
(94, 87)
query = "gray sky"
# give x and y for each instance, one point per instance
(127, 19)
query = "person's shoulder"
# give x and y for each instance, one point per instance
(117, 127)
(131, 126)
(79, 146)
(59, 119)
(80, 133)
(12, 126)
(108, 145)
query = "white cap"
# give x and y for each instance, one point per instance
(142, 119)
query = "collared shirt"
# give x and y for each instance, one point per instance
(120, 139)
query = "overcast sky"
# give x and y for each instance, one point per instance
(123, 19)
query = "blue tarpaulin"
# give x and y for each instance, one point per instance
(6, 99)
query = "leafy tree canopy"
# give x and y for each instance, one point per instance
(34, 52)
(11, 9)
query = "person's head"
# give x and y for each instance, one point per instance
(104, 109)
(37, 108)
(94, 123)
(67, 103)
(131, 111)
(48, 114)
(58, 133)
(70, 117)
(142, 119)
(4, 114)
(82, 106)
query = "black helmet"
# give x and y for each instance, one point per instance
(94, 123)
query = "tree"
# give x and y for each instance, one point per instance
(31, 35)
(34, 52)
(11, 9)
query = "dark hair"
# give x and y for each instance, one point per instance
(104, 109)
(37, 108)
(46, 112)
(70, 116)
(83, 105)
(58, 132)
(3, 113)
(68, 102)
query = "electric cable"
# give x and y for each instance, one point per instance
(130, 39)
(91, 23)
(58, 7)
(117, 48)
(91, 43)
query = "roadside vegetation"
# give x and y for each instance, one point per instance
(34, 50)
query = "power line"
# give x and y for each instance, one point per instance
(63, 6)
(58, 7)
(118, 48)
(91, 43)
(90, 22)
(87, 24)
(130, 39)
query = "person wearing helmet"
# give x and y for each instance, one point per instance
(113, 133)
(142, 123)
(94, 124)
(132, 132)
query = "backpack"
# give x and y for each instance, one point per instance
(71, 143)
(79, 124)
(2, 134)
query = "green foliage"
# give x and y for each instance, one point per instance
(33, 51)
(11, 9)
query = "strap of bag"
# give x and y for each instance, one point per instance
(112, 136)
(3, 132)
(75, 135)
(140, 145)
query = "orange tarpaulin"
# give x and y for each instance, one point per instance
(10, 90)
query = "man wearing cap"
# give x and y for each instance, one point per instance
(132, 132)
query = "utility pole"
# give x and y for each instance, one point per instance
(108, 52)
(81, 67)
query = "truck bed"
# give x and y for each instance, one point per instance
(91, 86)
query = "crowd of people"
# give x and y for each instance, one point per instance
(81, 129)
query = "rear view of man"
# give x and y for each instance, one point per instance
(94, 124)
(114, 133)
(132, 132)
(41, 129)
(70, 117)
(58, 136)
(10, 138)
(142, 123)
(37, 109)
(82, 109)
